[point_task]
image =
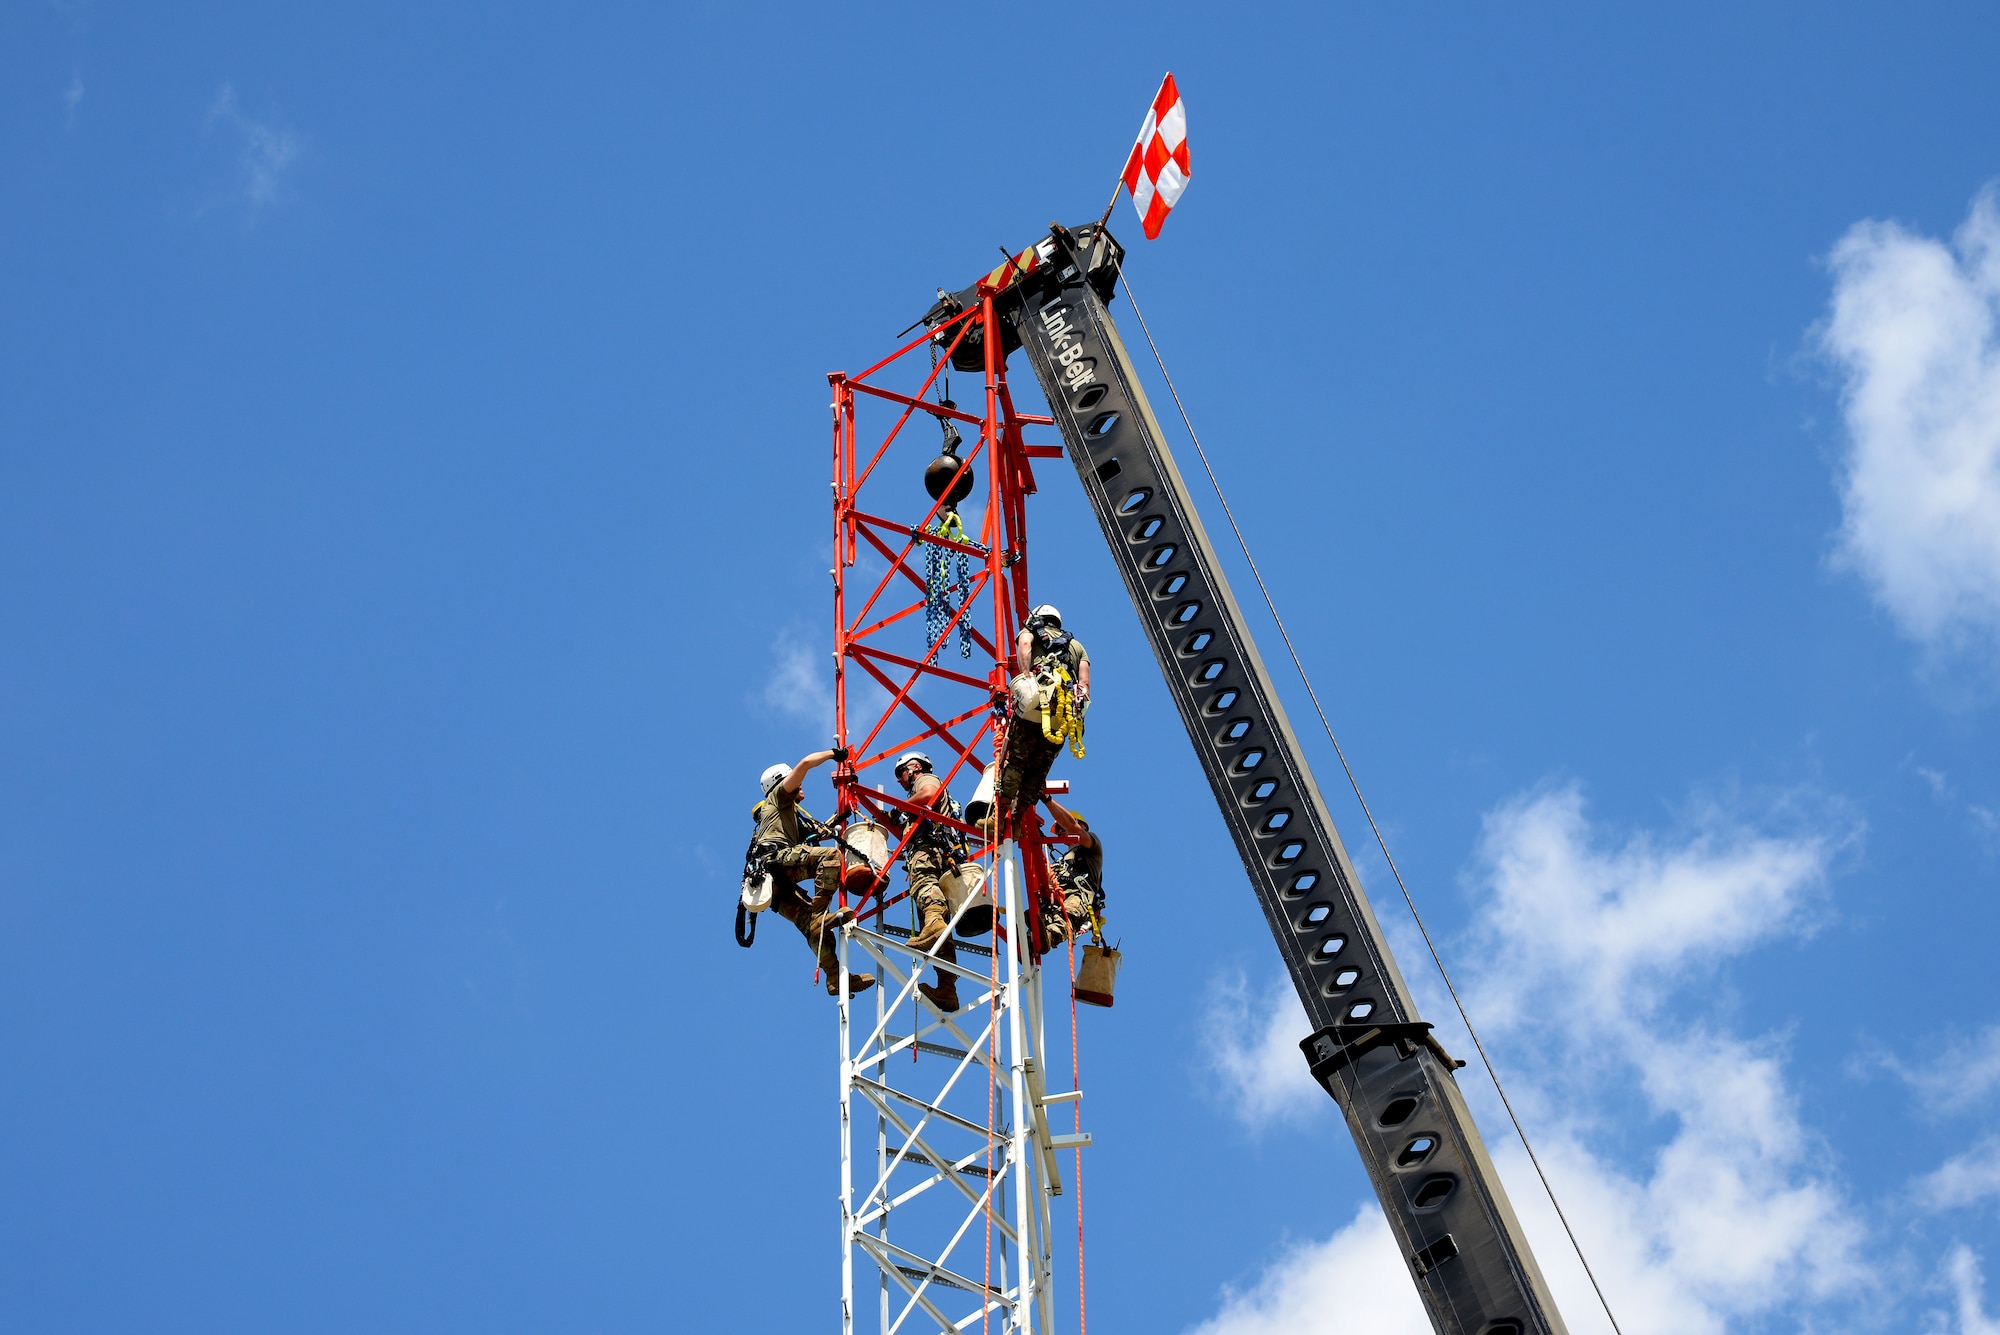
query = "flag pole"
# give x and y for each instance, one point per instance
(1114, 202)
(1097, 242)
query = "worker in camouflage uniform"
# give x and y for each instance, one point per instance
(928, 855)
(785, 845)
(1079, 877)
(1054, 678)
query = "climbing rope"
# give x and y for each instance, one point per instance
(1355, 784)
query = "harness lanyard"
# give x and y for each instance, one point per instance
(1060, 720)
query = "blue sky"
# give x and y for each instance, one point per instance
(412, 545)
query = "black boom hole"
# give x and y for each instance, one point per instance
(1107, 470)
(1185, 613)
(1090, 398)
(1431, 1194)
(1199, 642)
(1435, 1255)
(1346, 978)
(1104, 425)
(1398, 1111)
(1148, 527)
(1237, 729)
(1222, 701)
(1289, 854)
(1277, 821)
(1135, 500)
(1332, 946)
(1212, 669)
(1161, 555)
(1251, 760)
(1318, 914)
(1303, 882)
(1416, 1151)
(1263, 790)
(1174, 585)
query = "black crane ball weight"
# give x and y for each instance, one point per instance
(938, 476)
(938, 473)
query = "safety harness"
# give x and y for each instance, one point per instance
(939, 838)
(1056, 690)
(756, 869)
(812, 832)
(1065, 866)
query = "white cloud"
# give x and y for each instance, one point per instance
(1912, 330)
(1582, 939)
(1588, 964)
(1939, 785)
(1985, 826)
(1602, 933)
(1959, 1077)
(1984, 822)
(269, 149)
(72, 98)
(798, 686)
(1251, 1046)
(1961, 1272)
(1354, 1283)
(1962, 1180)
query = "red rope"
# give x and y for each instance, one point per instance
(1076, 1082)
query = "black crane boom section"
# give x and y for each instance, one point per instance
(1370, 1050)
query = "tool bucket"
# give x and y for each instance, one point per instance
(866, 854)
(965, 887)
(1097, 975)
(981, 805)
(1028, 698)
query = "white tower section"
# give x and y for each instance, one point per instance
(947, 1158)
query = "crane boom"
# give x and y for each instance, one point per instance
(1393, 1082)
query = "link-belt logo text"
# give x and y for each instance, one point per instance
(1076, 370)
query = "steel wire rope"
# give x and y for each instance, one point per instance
(1354, 783)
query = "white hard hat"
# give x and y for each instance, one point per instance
(773, 777)
(1046, 612)
(917, 756)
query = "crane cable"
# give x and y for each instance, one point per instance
(1355, 784)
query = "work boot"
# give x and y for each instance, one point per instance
(857, 983)
(936, 921)
(826, 922)
(944, 995)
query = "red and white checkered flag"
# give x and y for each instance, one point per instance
(1157, 171)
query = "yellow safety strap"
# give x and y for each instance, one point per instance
(1059, 720)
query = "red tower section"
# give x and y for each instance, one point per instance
(923, 656)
